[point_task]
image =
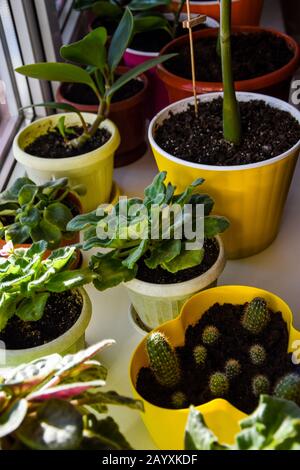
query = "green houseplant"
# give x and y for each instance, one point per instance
(43, 307)
(83, 161)
(57, 403)
(152, 267)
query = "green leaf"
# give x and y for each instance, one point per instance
(151, 23)
(67, 280)
(60, 258)
(56, 426)
(197, 435)
(185, 260)
(103, 435)
(205, 199)
(110, 271)
(120, 40)
(62, 129)
(136, 254)
(140, 5)
(57, 72)
(82, 221)
(47, 231)
(213, 225)
(37, 248)
(53, 105)
(89, 51)
(58, 214)
(18, 233)
(107, 10)
(33, 309)
(30, 217)
(12, 193)
(164, 252)
(113, 398)
(13, 417)
(27, 194)
(136, 71)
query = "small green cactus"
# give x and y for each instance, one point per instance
(289, 388)
(260, 385)
(210, 334)
(232, 368)
(163, 360)
(257, 354)
(218, 384)
(256, 316)
(200, 355)
(179, 400)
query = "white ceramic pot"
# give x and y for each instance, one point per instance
(93, 169)
(69, 343)
(158, 303)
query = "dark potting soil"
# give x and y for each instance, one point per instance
(61, 313)
(234, 343)
(52, 145)
(266, 133)
(110, 24)
(253, 55)
(82, 94)
(161, 276)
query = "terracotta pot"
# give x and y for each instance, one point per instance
(243, 11)
(128, 115)
(273, 84)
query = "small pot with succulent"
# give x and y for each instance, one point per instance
(152, 252)
(43, 307)
(242, 144)
(78, 145)
(218, 356)
(30, 213)
(58, 403)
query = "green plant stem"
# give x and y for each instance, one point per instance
(177, 18)
(231, 112)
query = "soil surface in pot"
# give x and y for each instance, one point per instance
(266, 133)
(52, 144)
(83, 94)
(60, 314)
(161, 276)
(234, 343)
(253, 55)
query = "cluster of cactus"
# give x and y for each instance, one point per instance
(163, 360)
(257, 354)
(200, 355)
(289, 388)
(179, 400)
(256, 316)
(210, 334)
(232, 368)
(219, 384)
(260, 385)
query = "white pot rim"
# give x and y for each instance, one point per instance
(60, 343)
(242, 96)
(67, 163)
(181, 288)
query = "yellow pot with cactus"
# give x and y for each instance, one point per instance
(165, 425)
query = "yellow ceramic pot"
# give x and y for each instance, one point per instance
(251, 196)
(166, 426)
(93, 169)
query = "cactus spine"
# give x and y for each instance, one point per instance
(257, 354)
(179, 400)
(210, 334)
(256, 316)
(200, 355)
(289, 388)
(163, 360)
(260, 385)
(218, 384)
(232, 368)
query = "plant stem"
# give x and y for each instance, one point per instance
(231, 112)
(177, 18)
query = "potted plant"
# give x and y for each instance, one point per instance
(79, 145)
(223, 384)
(274, 425)
(43, 307)
(152, 256)
(58, 403)
(243, 11)
(31, 213)
(233, 146)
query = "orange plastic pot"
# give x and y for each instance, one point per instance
(128, 115)
(243, 11)
(273, 84)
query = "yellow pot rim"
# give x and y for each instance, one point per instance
(217, 403)
(241, 96)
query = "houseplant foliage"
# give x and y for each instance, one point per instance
(131, 243)
(274, 425)
(57, 403)
(27, 279)
(99, 74)
(32, 212)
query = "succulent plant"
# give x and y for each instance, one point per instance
(200, 355)
(288, 388)
(257, 354)
(260, 385)
(256, 316)
(210, 334)
(163, 360)
(56, 403)
(179, 400)
(218, 384)
(232, 368)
